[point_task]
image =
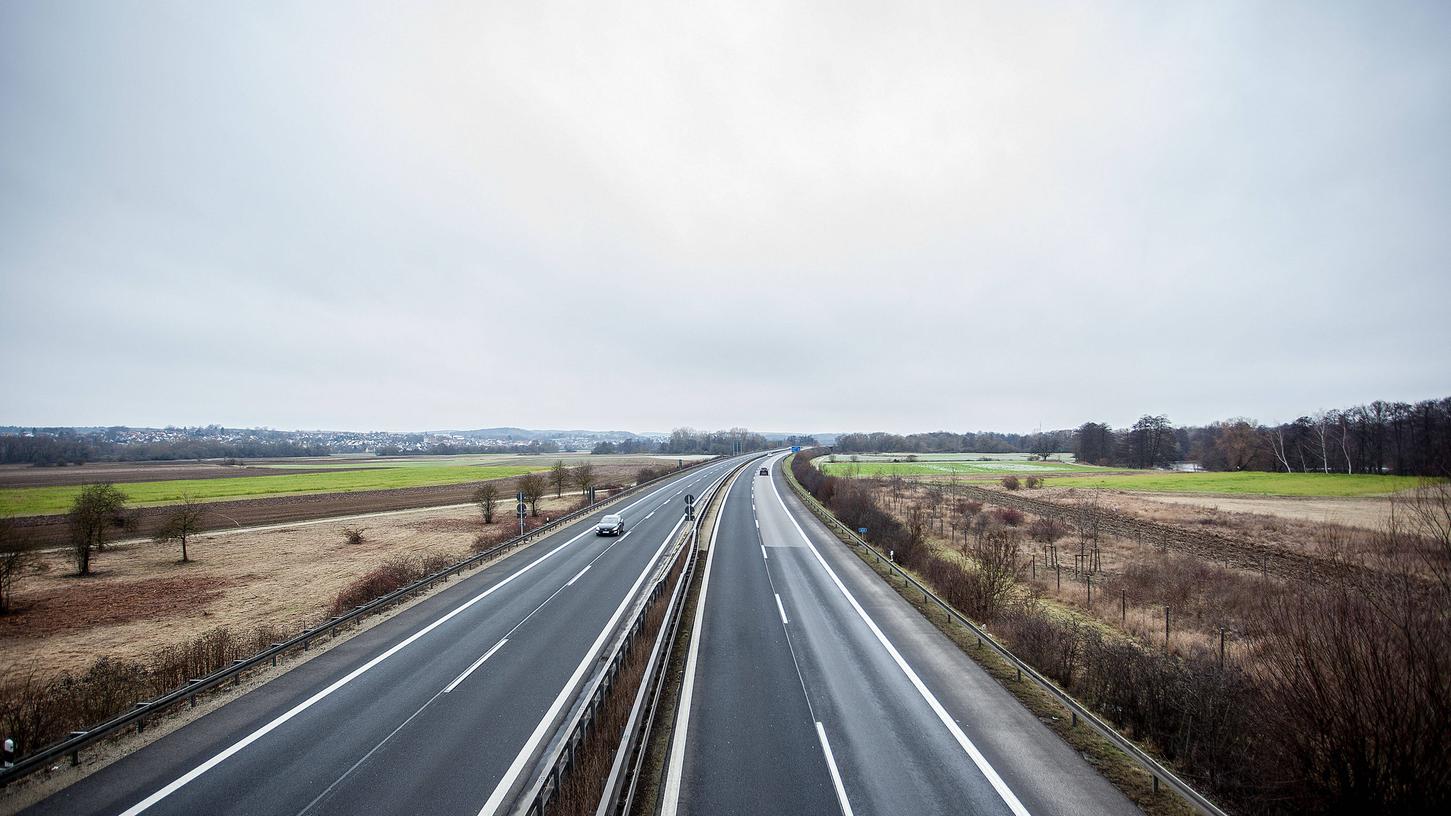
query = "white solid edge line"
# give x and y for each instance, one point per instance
(782, 610)
(496, 799)
(1006, 793)
(670, 798)
(348, 678)
(835, 774)
(217, 759)
(477, 663)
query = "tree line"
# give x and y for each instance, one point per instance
(1380, 437)
(69, 448)
(537, 446)
(1409, 439)
(716, 443)
(948, 442)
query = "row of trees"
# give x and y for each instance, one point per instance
(948, 442)
(536, 446)
(536, 486)
(1381, 437)
(70, 448)
(716, 443)
(1412, 439)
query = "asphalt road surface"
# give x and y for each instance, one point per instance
(813, 688)
(440, 709)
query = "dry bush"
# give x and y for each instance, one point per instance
(1053, 647)
(1046, 530)
(393, 574)
(353, 535)
(1034, 482)
(969, 507)
(36, 712)
(1358, 683)
(1008, 516)
(981, 591)
(1011, 482)
(432, 563)
(1203, 591)
(645, 474)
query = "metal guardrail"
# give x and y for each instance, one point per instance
(624, 778)
(558, 758)
(1077, 709)
(80, 740)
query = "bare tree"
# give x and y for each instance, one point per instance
(558, 477)
(184, 521)
(1277, 446)
(585, 478)
(1322, 433)
(1428, 510)
(487, 498)
(14, 558)
(533, 486)
(96, 511)
(997, 556)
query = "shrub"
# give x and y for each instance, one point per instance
(1011, 482)
(1035, 482)
(395, 573)
(1008, 516)
(353, 535)
(1046, 530)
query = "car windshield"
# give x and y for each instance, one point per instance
(610, 519)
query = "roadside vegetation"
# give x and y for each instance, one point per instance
(1326, 692)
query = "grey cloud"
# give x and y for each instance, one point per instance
(822, 216)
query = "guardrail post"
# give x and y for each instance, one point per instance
(76, 754)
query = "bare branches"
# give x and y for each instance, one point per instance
(487, 498)
(184, 521)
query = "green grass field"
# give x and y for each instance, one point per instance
(35, 501)
(1247, 483)
(943, 467)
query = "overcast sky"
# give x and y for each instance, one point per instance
(789, 216)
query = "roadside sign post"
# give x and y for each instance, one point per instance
(689, 506)
(521, 508)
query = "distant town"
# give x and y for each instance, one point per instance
(75, 445)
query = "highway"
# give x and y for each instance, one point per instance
(812, 687)
(439, 709)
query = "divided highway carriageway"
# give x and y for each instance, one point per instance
(440, 709)
(812, 687)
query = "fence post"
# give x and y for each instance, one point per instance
(1166, 627)
(1123, 607)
